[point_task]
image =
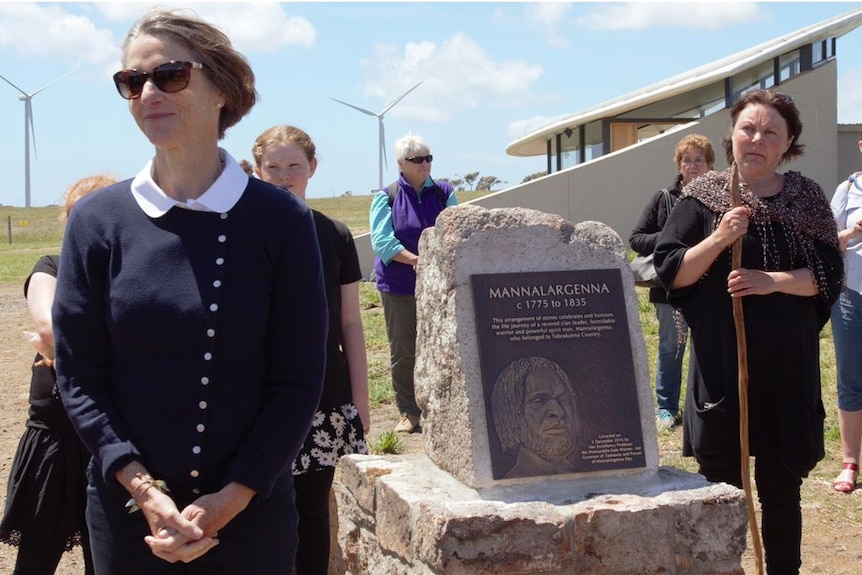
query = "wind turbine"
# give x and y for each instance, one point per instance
(382, 151)
(28, 130)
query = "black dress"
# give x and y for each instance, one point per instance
(786, 411)
(45, 496)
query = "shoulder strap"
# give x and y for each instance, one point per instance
(667, 199)
(442, 196)
(393, 191)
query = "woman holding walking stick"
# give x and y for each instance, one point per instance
(791, 273)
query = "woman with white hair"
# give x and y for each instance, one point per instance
(398, 216)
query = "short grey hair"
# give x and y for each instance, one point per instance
(411, 145)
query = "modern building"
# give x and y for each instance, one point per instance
(604, 163)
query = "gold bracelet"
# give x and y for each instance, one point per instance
(150, 482)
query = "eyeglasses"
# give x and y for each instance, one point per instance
(693, 162)
(169, 77)
(419, 159)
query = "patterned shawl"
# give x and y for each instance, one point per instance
(801, 208)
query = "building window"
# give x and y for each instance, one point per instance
(762, 76)
(788, 66)
(818, 52)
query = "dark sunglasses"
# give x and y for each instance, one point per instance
(419, 159)
(169, 77)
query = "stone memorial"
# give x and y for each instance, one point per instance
(538, 421)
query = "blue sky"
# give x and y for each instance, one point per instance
(490, 72)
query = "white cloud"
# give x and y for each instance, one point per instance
(641, 15)
(849, 96)
(49, 31)
(259, 27)
(549, 16)
(251, 26)
(457, 75)
(53, 32)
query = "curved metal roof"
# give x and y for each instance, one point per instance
(535, 143)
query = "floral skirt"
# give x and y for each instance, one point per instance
(334, 433)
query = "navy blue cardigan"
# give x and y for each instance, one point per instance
(193, 342)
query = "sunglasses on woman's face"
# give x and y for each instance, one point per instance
(169, 77)
(419, 159)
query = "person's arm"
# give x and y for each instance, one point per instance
(172, 536)
(40, 298)
(382, 235)
(294, 365)
(354, 350)
(838, 205)
(700, 257)
(851, 232)
(742, 282)
(451, 200)
(83, 345)
(646, 232)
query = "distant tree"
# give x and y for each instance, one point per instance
(534, 176)
(347, 194)
(487, 183)
(457, 183)
(470, 178)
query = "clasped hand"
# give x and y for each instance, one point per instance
(185, 536)
(742, 282)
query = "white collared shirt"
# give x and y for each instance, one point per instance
(223, 195)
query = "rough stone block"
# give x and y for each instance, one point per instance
(469, 240)
(483, 537)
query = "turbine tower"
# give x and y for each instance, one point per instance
(382, 144)
(29, 130)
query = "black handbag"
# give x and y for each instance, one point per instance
(642, 266)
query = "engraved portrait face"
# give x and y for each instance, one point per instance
(549, 415)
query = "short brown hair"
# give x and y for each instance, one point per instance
(81, 188)
(283, 135)
(783, 104)
(697, 142)
(226, 68)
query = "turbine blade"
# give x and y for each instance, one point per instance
(363, 110)
(398, 99)
(52, 83)
(13, 85)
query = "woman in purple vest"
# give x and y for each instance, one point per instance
(396, 225)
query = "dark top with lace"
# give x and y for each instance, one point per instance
(791, 230)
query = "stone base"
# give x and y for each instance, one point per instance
(403, 515)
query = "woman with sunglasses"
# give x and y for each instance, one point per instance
(790, 275)
(286, 156)
(397, 218)
(191, 326)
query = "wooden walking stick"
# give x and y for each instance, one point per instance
(742, 355)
